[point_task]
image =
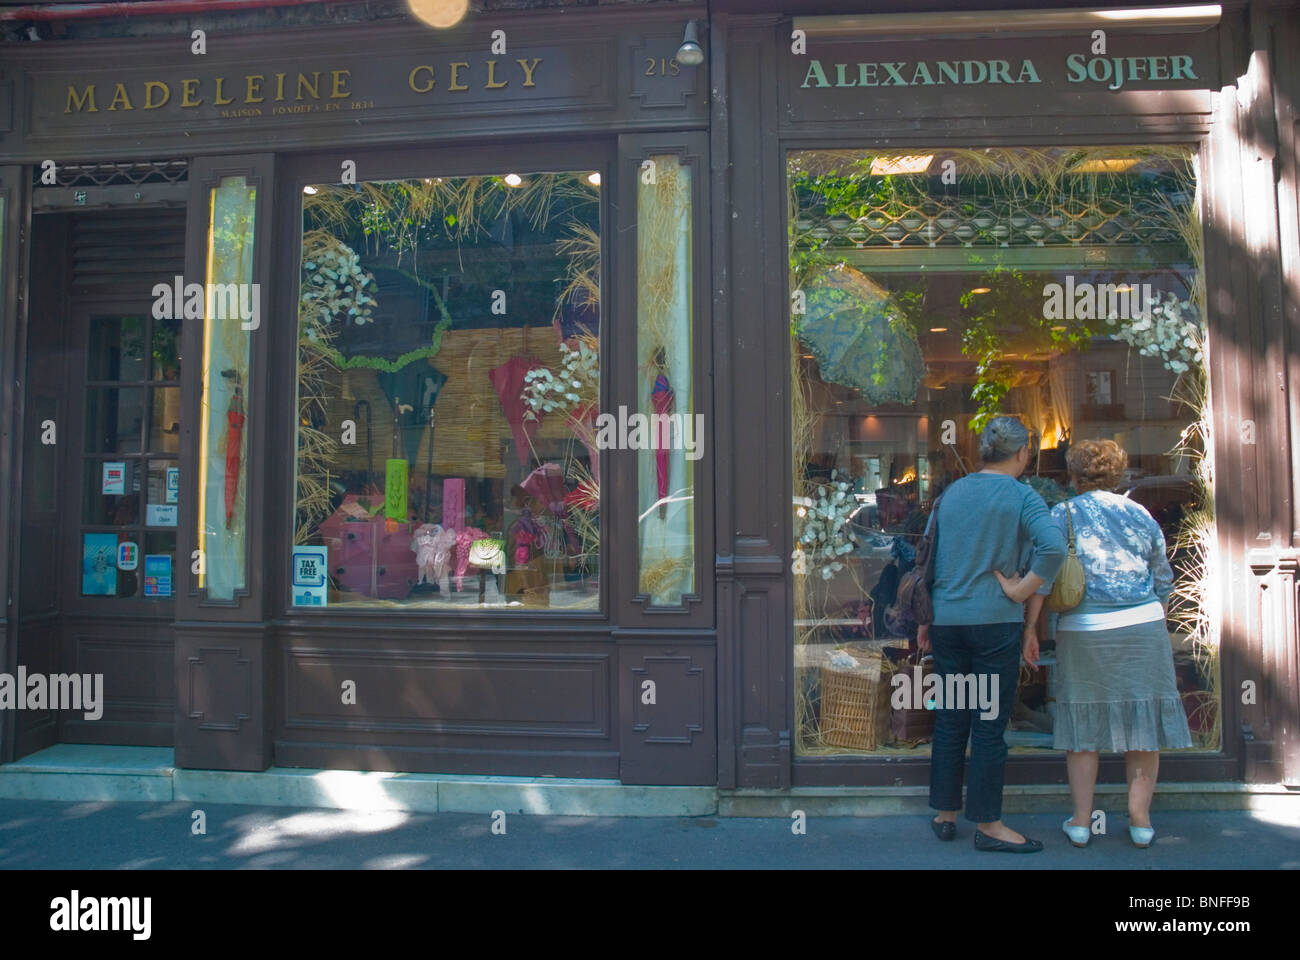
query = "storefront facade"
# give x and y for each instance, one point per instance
(350, 350)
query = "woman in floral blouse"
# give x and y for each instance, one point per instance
(1116, 689)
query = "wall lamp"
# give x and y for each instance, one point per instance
(690, 53)
(987, 23)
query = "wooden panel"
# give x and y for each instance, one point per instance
(223, 697)
(135, 659)
(449, 691)
(668, 725)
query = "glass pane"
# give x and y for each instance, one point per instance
(448, 388)
(670, 443)
(223, 464)
(121, 505)
(1062, 287)
(100, 574)
(116, 350)
(166, 350)
(157, 565)
(165, 420)
(162, 495)
(114, 417)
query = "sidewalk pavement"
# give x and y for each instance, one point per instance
(97, 835)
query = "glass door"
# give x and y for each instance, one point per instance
(129, 453)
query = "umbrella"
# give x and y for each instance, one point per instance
(662, 397)
(508, 382)
(854, 333)
(234, 443)
(415, 381)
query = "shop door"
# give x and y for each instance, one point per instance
(117, 498)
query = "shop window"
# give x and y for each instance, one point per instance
(448, 392)
(674, 435)
(932, 291)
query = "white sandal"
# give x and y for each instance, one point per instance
(1079, 836)
(1141, 836)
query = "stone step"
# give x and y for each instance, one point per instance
(80, 772)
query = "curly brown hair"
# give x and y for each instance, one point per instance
(1096, 464)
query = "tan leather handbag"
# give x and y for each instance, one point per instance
(1067, 591)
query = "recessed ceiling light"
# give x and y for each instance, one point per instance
(1106, 165)
(982, 290)
(513, 179)
(593, 179)
(938, 329)
(881, 166)
(1059, 329)
(309, 189)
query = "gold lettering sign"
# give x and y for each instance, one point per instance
(301, 87)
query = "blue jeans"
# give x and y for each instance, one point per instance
(991, 649)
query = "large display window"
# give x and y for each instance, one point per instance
(932, 290)
(448, 390)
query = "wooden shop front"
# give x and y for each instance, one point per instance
(1062, 215)
(355, 333)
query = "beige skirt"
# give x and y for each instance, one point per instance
(1116, 691)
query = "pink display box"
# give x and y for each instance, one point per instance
(367, 559)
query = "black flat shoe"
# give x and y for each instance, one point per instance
(944, 829)
(984, 842)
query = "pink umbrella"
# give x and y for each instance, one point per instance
(508, 382)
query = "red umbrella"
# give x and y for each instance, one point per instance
(234, 437)
(508, 382)
(662, 398)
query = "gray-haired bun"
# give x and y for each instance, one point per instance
(1002, 437)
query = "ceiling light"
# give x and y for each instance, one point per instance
(593, 179)
(1106, 165)
(982, 290)
(690, 53)
(1059, 329)
(938, 329)
(992, 23)
(881, 166)
(440, 14)
(513, 180)
(1124, 288)
(309, 189)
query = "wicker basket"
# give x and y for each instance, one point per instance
(855, 706)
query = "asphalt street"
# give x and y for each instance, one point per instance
(126, 836)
